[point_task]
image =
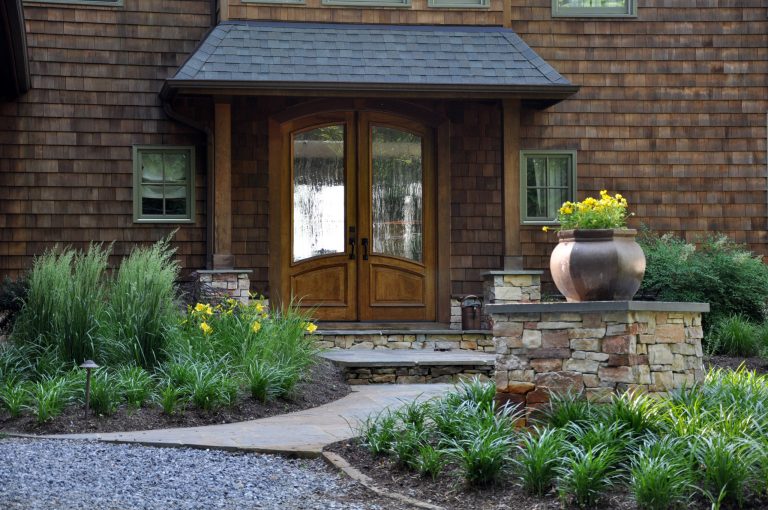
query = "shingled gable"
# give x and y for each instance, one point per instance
(278, 57)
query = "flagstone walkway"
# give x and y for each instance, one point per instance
(303, 433)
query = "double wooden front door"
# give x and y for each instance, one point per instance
(361, 243)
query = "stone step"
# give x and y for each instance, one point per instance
(397, 337)
(407, 366)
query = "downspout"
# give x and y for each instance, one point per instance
(209, 171)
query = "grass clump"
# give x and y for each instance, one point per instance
(135, 384)
(537, 459)
(734, 336)
(586, 473)
(49, 396)
(105, 393)
(660, 475)
(142, 311)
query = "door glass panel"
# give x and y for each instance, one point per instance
(318, 192)
(396, 193)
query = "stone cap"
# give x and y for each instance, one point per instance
(512, 272)
(599, 306)
(223, 271)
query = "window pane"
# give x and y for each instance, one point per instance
(558, 172)
(537, 171)
(396, 182)
(556, 199)
(581, 4)
(152, 200)
(152, 167)
(537, 203)
(176, 165)
(175, 199)
(318, 192)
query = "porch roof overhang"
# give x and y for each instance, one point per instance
(322, 59)
(15, 79)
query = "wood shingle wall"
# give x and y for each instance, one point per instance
(671, 113)
(65, 147)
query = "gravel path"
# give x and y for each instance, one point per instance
(53, 474)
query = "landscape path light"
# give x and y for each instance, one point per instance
(88, 365)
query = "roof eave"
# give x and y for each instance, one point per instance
(546, 94)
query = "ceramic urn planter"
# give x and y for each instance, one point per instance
(597, 265)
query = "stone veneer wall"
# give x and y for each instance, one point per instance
(417, 375)
(597, 348)
(407, 340)
(234, 283)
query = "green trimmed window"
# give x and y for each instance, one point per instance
(459, 4)
(548, 178)
(594, 8)
(104, 3)
(369, 3)
(163, 184)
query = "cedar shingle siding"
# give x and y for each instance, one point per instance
(671, 112)
(65, 146)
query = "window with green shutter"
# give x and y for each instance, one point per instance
(594, 8)
(548, 178)
(163, 184)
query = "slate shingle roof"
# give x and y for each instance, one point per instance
(390, 55)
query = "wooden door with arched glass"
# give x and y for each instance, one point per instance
(361, 242)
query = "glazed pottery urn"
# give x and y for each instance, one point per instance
(597, 265)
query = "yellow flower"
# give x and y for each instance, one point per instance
(259, 307)
(545, 229)
(199, 307)
(206, 328)
(256, 326)
(206, 309)
(311, 328)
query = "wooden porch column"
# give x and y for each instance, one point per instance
(513, 255)
(222, 185)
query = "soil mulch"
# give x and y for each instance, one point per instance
(324, 384)
(450, 491)
(759, 365)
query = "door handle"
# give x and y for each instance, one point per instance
(365, 248)
(352, 239)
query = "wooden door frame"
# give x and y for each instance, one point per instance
(278, 227)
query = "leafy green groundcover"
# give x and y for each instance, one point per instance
(706, 443)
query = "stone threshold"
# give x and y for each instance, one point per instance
(406, 358)
(401, 331)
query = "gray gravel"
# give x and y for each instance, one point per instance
(54, 474)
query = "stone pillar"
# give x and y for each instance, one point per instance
(512, 286)
(230, 283)
(595, 348)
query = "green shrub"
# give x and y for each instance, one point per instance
(378, 432)
(105, 393)
(65, 303)
(208, 384)
(15, 363)
(14, 398)
(13, 293)
(142, 310)
(636, 413)
(538, 456)
(482, 456)
(49, 396)
(169, 399)
(728, 466)
(565, 408)
(430, 461)
(733, 336)
(135, 384)
(585, 474)
(719, 272)
(407, 445)
(267, 382)
(660, 481)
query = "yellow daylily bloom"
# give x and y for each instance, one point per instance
(259, 307)
(545, 229)
(311, 328)
(206, 328)
(256, 327)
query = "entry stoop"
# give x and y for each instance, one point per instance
(408, 366)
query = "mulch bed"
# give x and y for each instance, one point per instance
(759, 365)
(324, 384)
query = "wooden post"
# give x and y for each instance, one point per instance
(222, 185)
(513, 258)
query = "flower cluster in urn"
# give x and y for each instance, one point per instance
(597, 258)
(591, 213)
